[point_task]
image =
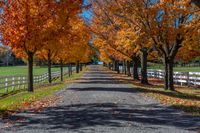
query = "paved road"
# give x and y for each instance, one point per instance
(97, 103)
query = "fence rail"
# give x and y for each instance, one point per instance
(180, 78)
(12, 83)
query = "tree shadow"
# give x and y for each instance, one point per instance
(114, 89)
(103, 80)
(78, 116)
(174, 94)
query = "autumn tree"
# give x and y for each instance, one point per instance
(169, 24)
(22, 29)
(121, 27)
(25, 26)
(164, 26)
(59, 25)
(106, 29)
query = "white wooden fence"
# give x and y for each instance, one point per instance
(181, 78)
(10, 84)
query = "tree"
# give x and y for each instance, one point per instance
(176, 17)
(150, 21)
(26, 22)
(107, 29)
(155, 19)
(59, 25)
(129, 41)
(22, 29)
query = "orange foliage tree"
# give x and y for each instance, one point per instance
(23, 28)
(119, 27)
(164, 26)
(169, 24)
(59, 27)
(25, 25)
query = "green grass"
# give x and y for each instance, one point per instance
(14, 102)
(23, 70)
(178, 69)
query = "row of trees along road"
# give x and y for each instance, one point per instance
(136, 30)
(49, 29)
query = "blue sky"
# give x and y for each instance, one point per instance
(87, 14)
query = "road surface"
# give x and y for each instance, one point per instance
(98, 103)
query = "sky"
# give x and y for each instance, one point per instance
(87, 14)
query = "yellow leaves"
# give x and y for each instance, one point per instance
(125, 29)
(34, 10)
(13, 14)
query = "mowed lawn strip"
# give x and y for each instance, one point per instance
(17, 101)
(23, 70)
(184, 98)
(178, 69)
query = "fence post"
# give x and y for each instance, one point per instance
(188, 78)
(155, 74)
(24, 82)
(40, 79)
(195, 82)
(6, 85)
(13, 83)
(19, 82)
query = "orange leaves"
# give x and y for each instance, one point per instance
(29, 25)
(39, 25)
(21, 28)
(190, 105)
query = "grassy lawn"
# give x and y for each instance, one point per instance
(187, 69)
(17, 101)
(178, 69)
(184, 98)
(22, 70)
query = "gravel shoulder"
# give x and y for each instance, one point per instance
(98, 103)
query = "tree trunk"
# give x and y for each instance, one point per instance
(117, 66)
(144, 54)
(109, 66)
(125, 66)
(69, 71)
(61, 71)
(30, 72)
(113, 66)
(77, 67)
(166, 74)
(104, 64)
(170, 75)
(135, 68)
(49, 67)
(128, 68)
(81, 66)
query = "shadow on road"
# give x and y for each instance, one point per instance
(77, 116)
